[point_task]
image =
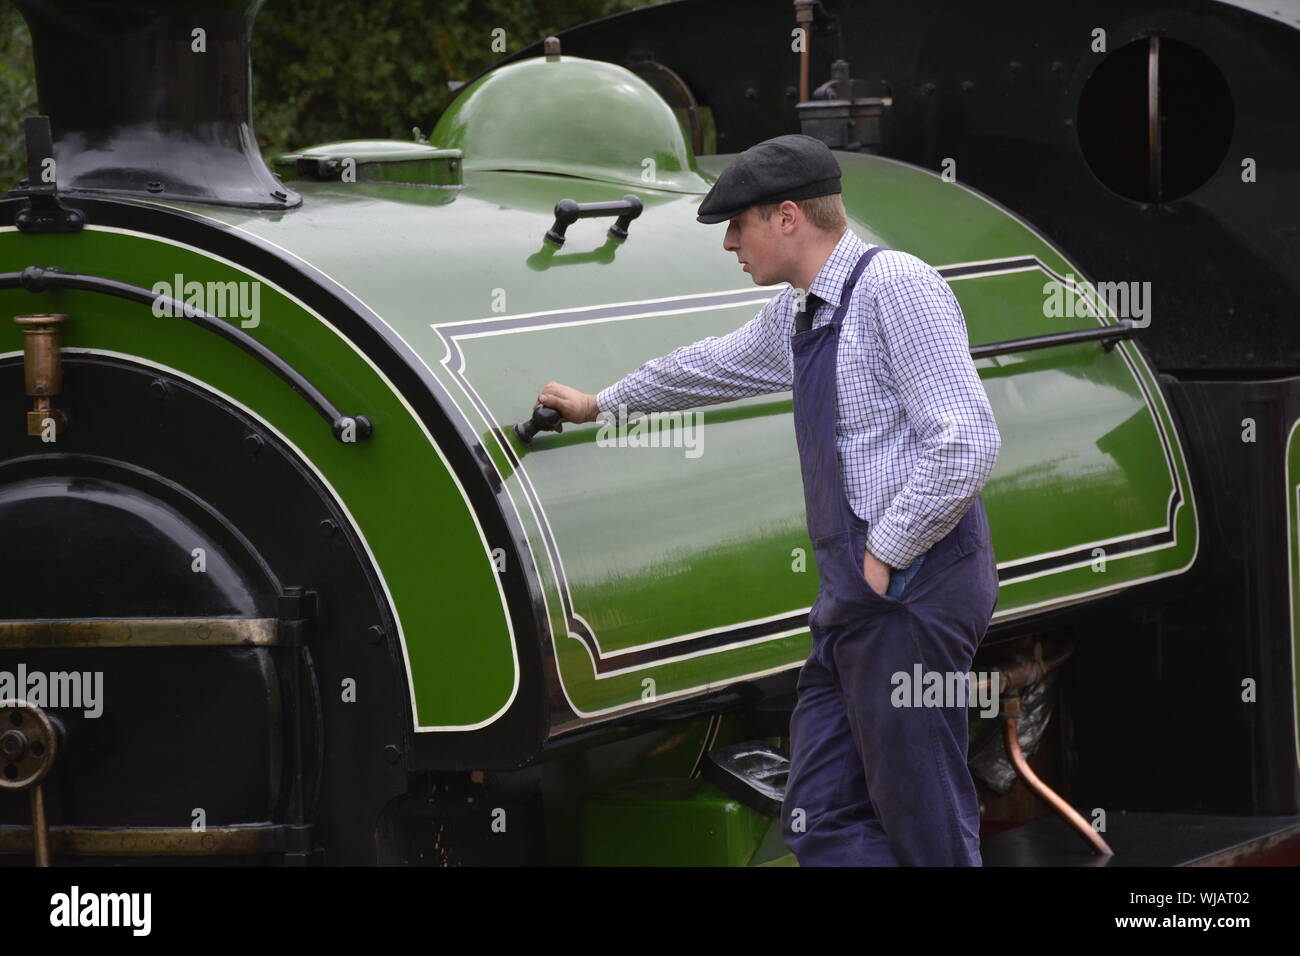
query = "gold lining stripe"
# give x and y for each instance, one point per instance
(149, 841)
(141, 632)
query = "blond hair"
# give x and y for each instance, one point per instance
(824, 212)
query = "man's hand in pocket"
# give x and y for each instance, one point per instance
(876, 572)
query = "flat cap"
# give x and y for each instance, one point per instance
(793, 166)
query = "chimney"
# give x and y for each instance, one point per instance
(151, 98)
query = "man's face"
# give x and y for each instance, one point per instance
(759, 245)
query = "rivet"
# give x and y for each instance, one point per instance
(374, 634)
(392, 753)
(328, 527)
(253, 445)
(158, 389)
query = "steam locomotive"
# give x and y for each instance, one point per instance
(294, 571)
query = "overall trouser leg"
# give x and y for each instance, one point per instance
(895, 788)
(905, 674)
(829, 819)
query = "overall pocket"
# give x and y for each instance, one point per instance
(857, 555)
(845, 596)
(899, 580)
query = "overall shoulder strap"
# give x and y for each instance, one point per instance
(852, 281)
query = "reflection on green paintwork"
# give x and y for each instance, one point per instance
(648, 546)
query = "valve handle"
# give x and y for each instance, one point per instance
(544, 418)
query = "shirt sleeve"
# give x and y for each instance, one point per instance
(927, 350)
(752, 360)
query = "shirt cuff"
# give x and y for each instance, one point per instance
(895, 550)
(608, 399)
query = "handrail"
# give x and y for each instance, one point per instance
(1108, 335)
(45, 278)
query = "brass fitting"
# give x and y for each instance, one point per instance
(44, 372)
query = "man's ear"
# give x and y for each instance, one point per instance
(789, 214)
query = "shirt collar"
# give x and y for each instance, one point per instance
(830, 280)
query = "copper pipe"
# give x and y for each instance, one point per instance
(1153, 119)
(1024, 671)
(1012, 742)
(803, 16)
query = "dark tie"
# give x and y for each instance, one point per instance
(803, 321)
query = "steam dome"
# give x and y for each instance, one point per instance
(572, 116)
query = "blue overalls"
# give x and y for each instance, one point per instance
(872, 784)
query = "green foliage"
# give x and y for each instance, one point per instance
(331, 71)
(17, 93)
(345, 71)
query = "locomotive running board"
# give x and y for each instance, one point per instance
(1152, 839)
(141, 632)
(753, 772)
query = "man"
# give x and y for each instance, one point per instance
(896, 440)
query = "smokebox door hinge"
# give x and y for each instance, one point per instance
(43, 212)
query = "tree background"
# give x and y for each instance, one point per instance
(333, 71)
